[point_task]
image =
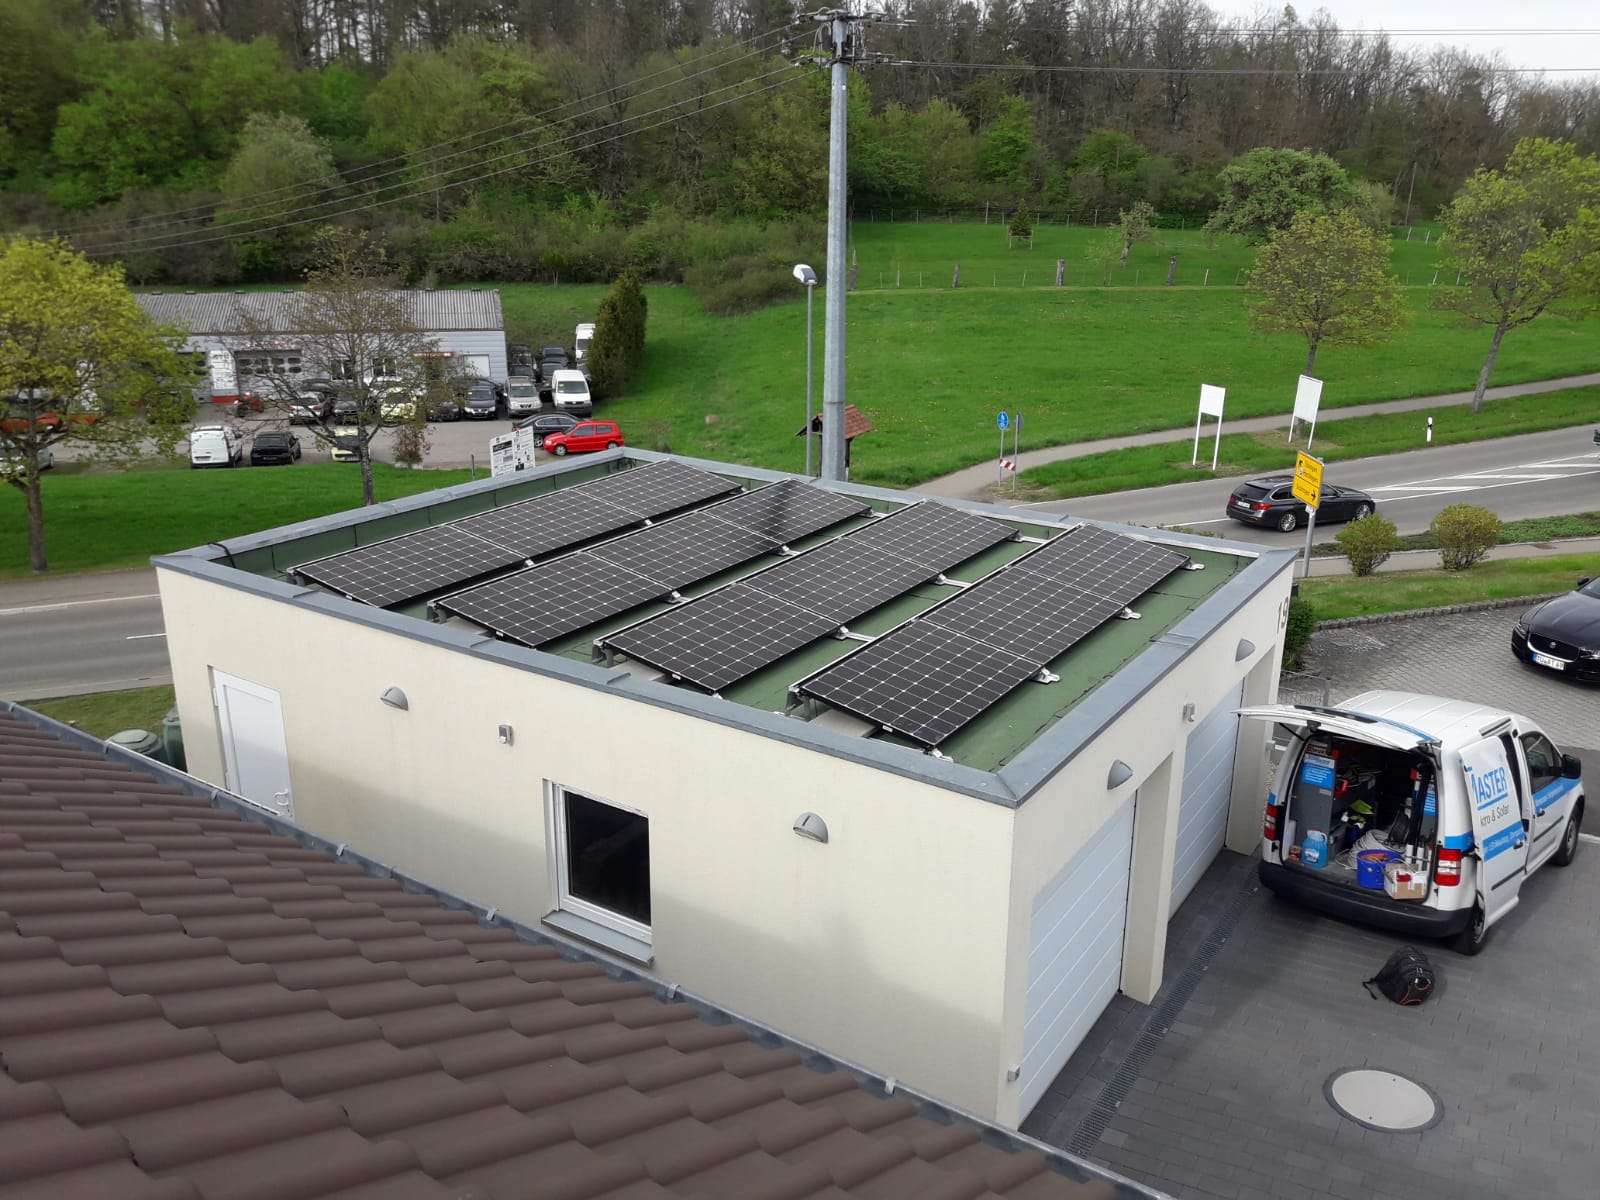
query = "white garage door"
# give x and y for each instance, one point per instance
(1075, 952)
(1207, 788)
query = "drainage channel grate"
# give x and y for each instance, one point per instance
(1086, 1136)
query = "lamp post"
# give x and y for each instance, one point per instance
(808, 277)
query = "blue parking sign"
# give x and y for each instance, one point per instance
(1004, 420)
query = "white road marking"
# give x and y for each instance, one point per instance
(1520, 478)
(1588, 837)
(1432, 489)
(38, 608)
(134, 637)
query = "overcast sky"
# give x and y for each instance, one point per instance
(1443, 23)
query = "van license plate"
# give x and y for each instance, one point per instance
(1555, 664)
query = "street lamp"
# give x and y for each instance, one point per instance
(808, 277)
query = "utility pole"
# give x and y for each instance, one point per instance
(839, 31)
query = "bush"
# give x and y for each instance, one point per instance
(1368, 543)
(1465, 533)
(1297, 631)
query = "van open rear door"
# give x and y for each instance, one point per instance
(1306, 717)
(1498, 830)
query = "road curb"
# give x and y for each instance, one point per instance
(1440, 611)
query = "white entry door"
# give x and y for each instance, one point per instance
(1207, 791)
(1075, 952)
(255, 754)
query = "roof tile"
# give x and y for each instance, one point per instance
(193, 1007)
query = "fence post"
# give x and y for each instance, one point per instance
(986, 213)
(955, 279)
(1024, 277)
(1172, 269)
(1207, 278)
(1061, 270)
(851, 286)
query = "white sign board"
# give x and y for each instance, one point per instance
(224, 379)
(1211, 398)
(1307, 396)
(524, 444)
(502, 455)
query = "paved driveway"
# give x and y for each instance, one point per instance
(1216, 1090)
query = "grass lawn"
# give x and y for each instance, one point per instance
(110, 712)
(1352, 437)
(1402, 591)
(931, 367)
(100, 520)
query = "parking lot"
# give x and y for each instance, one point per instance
(1217, 1089)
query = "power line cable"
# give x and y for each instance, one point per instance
(1264, 71)
(137, 245)
(599, 102)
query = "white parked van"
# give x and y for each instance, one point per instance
(215, 446)
(581, 338)
(1416, 813)
(570, 391)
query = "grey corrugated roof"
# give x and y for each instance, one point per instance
(194, 1006)
(240, 312)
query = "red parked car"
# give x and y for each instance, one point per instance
(585, 435)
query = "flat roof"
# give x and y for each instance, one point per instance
(1115, 663)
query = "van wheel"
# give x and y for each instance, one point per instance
(1474, 937)
(1288, 521)
(1568, 850)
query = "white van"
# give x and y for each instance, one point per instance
(581, 338)
(570, 391)
(1415, 813)
(215, 446)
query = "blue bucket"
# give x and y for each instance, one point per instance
(1370, 865)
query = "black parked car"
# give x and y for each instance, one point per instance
(1563, 634)
(1270, 501)
(274, 446)
(548, 423)
(551, 360)
(482, 401)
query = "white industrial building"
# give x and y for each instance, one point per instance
(465, 324)
(919, 783)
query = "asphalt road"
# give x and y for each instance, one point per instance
(81, 633)
(1533, 475)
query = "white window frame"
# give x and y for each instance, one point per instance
(565, 901)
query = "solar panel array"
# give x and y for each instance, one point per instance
(555, 598)
(546, 524)
(752, 628)
(930, 677)
(445, 556)
(789, 510)
(714, 642)
(412, 565)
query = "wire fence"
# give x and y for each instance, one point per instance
(1069, 273)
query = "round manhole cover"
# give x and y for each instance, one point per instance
(1382, 1100)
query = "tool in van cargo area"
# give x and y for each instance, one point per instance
(1406, 977)
(1370, 867)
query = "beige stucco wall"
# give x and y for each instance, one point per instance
(1151, 736)
(886, 946)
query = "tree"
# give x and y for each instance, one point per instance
(1523, 239)
(80, 364)
(1136, 224)
(280, 168)
(1325, 277)
(1264, 189)
(354, 330)
(617, 349)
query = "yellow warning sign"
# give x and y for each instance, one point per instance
(1308, 480)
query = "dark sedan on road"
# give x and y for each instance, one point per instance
(1270, 501)
(1563, 634)
(274, 446)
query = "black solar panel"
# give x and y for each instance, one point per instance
(410, 566)
(1027, 614)
(842, 579)
(554, 598)
(934, 534)
(1105, 563)
(685, 550)
(541, 526)
(721, 637)
(788, 510)
(921, 681)
(661, 488)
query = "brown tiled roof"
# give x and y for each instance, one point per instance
(192, 1005)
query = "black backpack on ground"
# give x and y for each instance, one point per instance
(1406, 978)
